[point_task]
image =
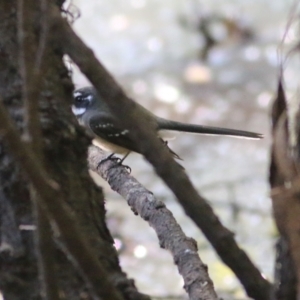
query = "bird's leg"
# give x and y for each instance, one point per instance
(109, 157)
(112, 157)
(118, 160)
(124, 157)
(121, 162)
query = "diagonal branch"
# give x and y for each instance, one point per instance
(171, 237)
(194, 205)
(78, 249)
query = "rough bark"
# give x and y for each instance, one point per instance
(64, 148)
(194, 272)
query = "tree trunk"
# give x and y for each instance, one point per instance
(64, 148)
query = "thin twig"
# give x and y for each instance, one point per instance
(78, 249)
(171, 237)
(194, 205)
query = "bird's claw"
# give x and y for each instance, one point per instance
(119, 164)
(117, 160)
(109, 157)
(127, 168)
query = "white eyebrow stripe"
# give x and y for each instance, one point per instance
(76, 94)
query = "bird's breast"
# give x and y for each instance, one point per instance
(109, 147)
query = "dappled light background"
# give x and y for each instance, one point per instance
(204, 62)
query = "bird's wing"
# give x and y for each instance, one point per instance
(110, 134)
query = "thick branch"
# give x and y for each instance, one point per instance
(195, 206)
(171, 237)
(77, 247)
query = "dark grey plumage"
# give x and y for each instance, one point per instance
(97, 118)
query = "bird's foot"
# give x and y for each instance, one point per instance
(119, 164)
(127, 168)
(109, 157)
(119, 161)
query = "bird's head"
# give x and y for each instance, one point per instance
(84, 98)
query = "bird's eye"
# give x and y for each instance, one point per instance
(79, 99)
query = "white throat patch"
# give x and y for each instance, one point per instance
(78, 111)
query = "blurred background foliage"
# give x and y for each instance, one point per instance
(205, 62)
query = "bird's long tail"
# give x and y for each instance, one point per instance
(208, 130)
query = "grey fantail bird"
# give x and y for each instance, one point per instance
(94, 114)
